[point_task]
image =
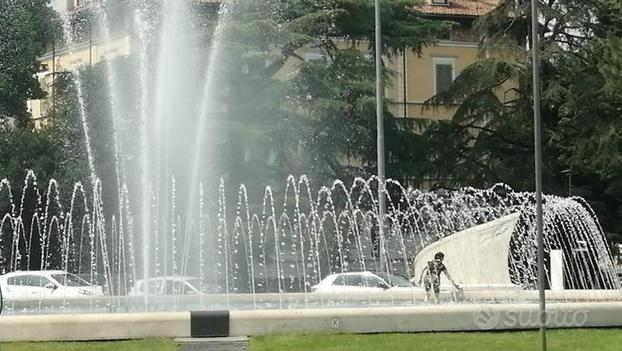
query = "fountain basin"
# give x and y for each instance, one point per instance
(301, 301)
(457, 317)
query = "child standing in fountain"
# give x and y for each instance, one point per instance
(431, 277)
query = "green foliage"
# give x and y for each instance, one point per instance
(611, 67)
(579, 339)
(307, 122)
(574, 339)
(25, 28)
(325, 126)
(21, 150)
(580, 108)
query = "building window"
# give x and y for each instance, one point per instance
(444, 74)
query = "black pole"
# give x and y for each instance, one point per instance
(568, 172)
(538, 166)
(404, 72)
(53, 75)
(380, 135)
(90, 41)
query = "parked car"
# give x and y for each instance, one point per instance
(171, 285)
(363, 282)
(46, 285)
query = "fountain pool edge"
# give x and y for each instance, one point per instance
(458, 317)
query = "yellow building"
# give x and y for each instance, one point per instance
(421, 77)
(60, 59)
(87, 54)
(418, 78)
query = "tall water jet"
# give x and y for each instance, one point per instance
(207, 108)
(103, 22)
(143, 29)
(68, 35)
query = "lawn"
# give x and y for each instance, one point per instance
(562, 340)
(566, 340)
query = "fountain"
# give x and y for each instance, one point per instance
(289, 245)
(174, 216)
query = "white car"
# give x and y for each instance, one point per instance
(40, 285)
(171, 285)
(363, 282)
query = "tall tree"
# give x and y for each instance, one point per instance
(580, 108)
(320, 118)
(25, 28)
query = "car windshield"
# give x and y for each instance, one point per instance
(68, 279)
(395, 280)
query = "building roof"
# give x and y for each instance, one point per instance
(472, 8)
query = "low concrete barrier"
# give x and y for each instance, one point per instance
(95, 326)
(424, 319)
(448, 317)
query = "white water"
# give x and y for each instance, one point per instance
(71, 44)
(289, 247)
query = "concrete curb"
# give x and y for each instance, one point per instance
(95, 326)
(454, 317)
(424, 319)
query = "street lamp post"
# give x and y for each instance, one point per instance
(569, 173)
(538, 165)
(380, 136)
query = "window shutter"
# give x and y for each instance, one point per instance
(444, 77)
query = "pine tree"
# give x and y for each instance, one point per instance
(581, 104)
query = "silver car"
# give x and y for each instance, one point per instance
(169, 285)
(41, 285)
(363, 282)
